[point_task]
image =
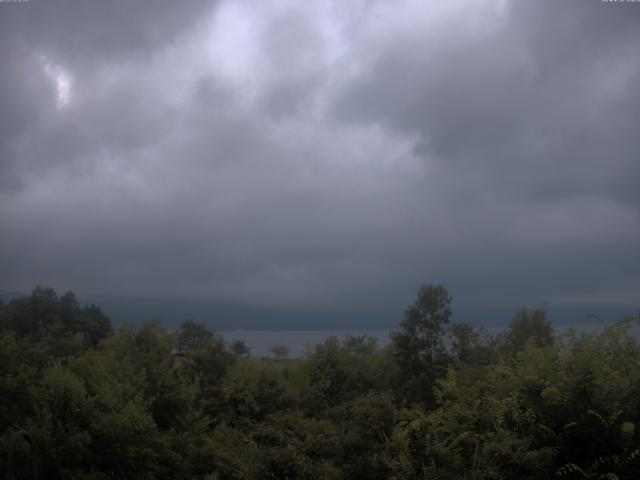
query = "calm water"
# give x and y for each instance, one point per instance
(261, 341)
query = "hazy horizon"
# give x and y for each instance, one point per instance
(228, 316)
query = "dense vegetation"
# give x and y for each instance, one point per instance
(441, 401)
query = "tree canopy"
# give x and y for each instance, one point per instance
(442, 400)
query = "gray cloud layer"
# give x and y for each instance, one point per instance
(322, 153)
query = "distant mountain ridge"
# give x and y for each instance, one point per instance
(7, 295)
(231, 316)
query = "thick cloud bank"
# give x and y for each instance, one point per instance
(322, 153)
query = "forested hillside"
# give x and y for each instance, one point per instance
(441, 401)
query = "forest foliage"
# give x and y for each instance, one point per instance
(442, 401)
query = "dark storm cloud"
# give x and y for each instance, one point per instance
(538, 111)
(95, 31)
(87, 36)
(322, 154)
(545, 100)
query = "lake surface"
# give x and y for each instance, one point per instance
(297, 341)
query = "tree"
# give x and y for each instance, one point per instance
(206, 359)
(280, 352)
(94, 324)
(240, 348)
(419, 346)
(527, 326)
(468, 345)
(59, 320)
(193, 335)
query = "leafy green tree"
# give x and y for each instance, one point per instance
(62, 421)
(93, 324)
(60, 322)
(327, 375)
(240, 348)
(529, 326)
(280, 352)
(253, 390)
(419, 345)
(193, 335)
(360, 345)
(291, 445)
(469, 346)
(204, 360)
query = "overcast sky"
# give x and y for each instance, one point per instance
(322, 153)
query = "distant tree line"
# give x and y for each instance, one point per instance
(442, 401)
